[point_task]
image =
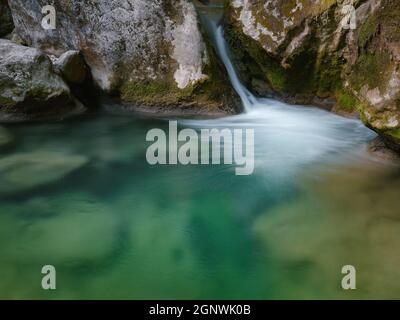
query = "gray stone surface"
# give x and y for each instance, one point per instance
(28, 83)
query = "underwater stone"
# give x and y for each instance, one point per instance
(79, 230)
(24, 171)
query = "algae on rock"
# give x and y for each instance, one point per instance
(302, 51)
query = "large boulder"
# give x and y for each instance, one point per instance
(29, 88)
(309, 51)
(147, 52)
(6, 21)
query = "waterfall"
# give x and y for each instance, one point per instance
(246, 96)
(287, 137)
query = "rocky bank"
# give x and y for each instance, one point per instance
(321, 52)
(147, 53)
(154, 56)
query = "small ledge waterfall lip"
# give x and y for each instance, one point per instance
(286, 136)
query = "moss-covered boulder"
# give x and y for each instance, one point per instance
(29, 87)
(148, 53)
(308, 51)
(6, 21)
(372, 72)
(286, 45)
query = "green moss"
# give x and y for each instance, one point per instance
(346, 101)
(217, 87)
(367, 30)
(153, 92)
(253, 61)
(211, 91)
(214, 92)
(328, 74)
(371, 69)
(395, 133)
(306, 73)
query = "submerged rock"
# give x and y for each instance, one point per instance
(350, 216)
(305, 49)
(24, 171)
(6, 21)
(148, 52)
(5, 137)
(29, 88)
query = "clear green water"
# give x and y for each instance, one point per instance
(115, 227)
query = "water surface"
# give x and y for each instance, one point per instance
(117, 227)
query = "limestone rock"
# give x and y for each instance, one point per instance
(148, 52)
(372, 74)
(344, 50)
(29, 86)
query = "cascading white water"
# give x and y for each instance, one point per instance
(286, 136)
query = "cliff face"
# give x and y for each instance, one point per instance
(146, 52)
(307, 51)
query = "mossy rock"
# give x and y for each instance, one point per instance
(371, 69)
(213, 93)
(346, 101)
(308, 71)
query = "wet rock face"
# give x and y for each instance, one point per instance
(293, 46)
(133, 47)
(305, 52)
(6, 22)
(373, 70)
(29, 86)
(114, 36)
(72, 67)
